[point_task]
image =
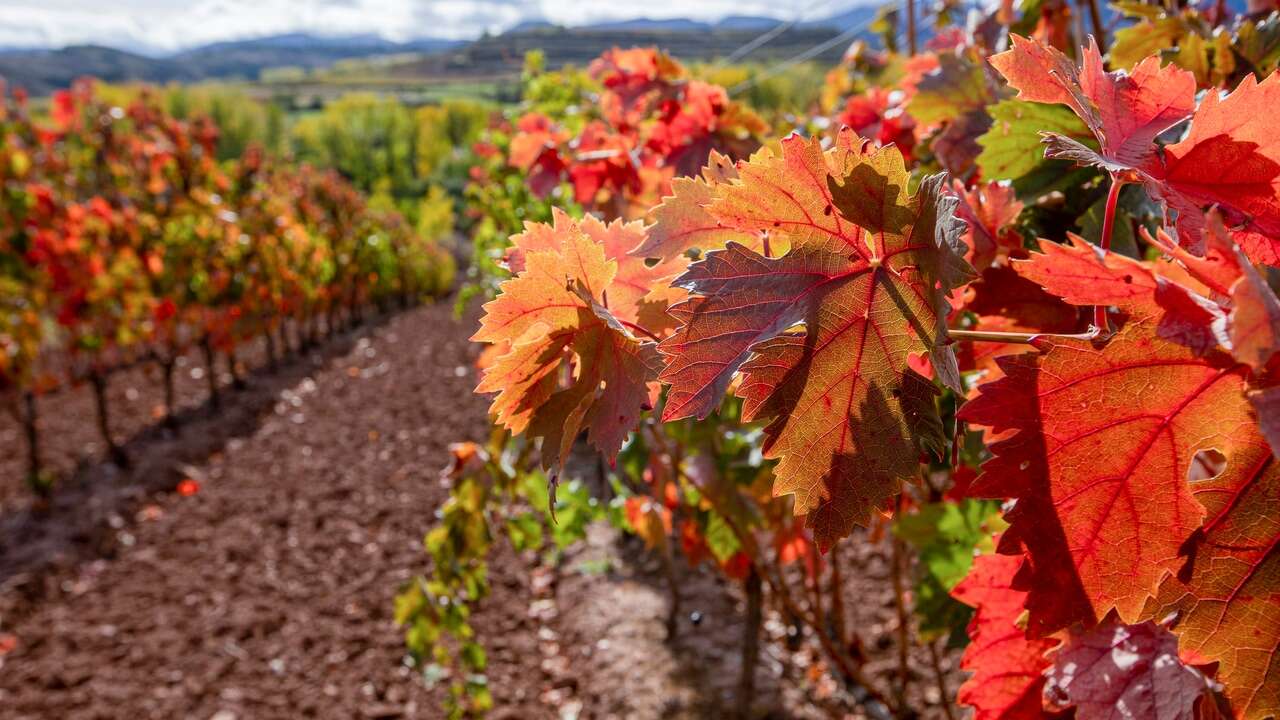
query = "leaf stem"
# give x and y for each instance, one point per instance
(875, 702)
(1016, 337)
(851, 671)
(1108, 224)
(911, 27)
(900, 605)
(837, 598)
(1099, 29)
(640, 329)
(941, 679)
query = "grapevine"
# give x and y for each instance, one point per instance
(126, 241)
(1013, 307)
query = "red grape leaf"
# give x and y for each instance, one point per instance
(603, 161)
(571, 364)
(1083, 274)
(1225, 601)
(1231, 159)
(1007, 682)
(1253, 325)
(1238, 310)
(866, 277)
(1096, 445)
(877, 114)
(700, 121)
(990, 211)
(1125, 111)
(634, 79)
(535, 149)
(1116, 671)
(1003, 292)
(1217, 269)
(1005, 301)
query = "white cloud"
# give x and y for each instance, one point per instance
(163, 25)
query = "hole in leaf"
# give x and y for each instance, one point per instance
(651, 262)
(1206, 465)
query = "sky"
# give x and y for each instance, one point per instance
(167, 25)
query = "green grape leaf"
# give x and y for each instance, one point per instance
(1012, 148)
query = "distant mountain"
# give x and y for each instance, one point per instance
(501, 55)
(247, 58)
(846, 20)
(650, 25)
(296, 41)
(42, 71)
(748, 22)
(527, 25)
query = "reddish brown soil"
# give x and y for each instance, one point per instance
(268, 593)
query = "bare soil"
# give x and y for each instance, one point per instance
(268, 592)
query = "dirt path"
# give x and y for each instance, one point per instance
(268, 593)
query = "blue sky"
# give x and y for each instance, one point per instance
(164, 25)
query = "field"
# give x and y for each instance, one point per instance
(933, 379)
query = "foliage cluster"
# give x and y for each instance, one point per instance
(124, 239)
(1012, 308)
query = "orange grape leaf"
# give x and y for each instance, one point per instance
(649, 519)
(1096, 444)
(1225, 602)
(636, 282)
(1125, 111)
(682, 222)
(1116, 670)
(866, 278)
(1006, 683)
(572, 364)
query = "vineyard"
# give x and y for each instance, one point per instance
(126, 242)
(943, 390)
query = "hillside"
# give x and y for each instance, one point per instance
(577, 46)
(41, 71)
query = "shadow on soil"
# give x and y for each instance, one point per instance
(79, 522)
